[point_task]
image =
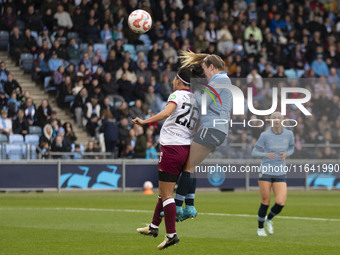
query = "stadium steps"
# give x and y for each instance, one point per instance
(38, 95)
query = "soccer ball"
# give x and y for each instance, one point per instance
(147, 185)
(139, 21)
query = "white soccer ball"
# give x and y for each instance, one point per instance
(140, 21)
(147, 185)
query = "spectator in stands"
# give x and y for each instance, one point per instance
(77, 152)
(140, 146)
(106, 34)
(58, 77)
(108, 125)
(41, 68)
(3, 72)
(91, 32)
(54, 62)
(319, 66)
(78, 19)
(13, 105)
(168, 52)
(20, 123)
(65, 92)
(108, 105)
(92, 108)
(48, 19)
(5, 123)
(153, 101)
(252, 29)
(12, 85)
(30, 111)
(137, 109)
(44, 36)
(87, 62)
(63, 18)
(54, 117)
(43, 113)
(212, 35)
(252, 47)
(78, 107)
(126, 89)
(30, 42)
(130, 74)
(98, 59)
(91, 148)
(17, 45)
(112, 63)
(110, 87)
(143, 71)
(33, 19)
(59, 49)
(8, 19)
(60, 145)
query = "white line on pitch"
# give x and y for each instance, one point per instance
(149, 211)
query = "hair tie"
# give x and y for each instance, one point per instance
(185, 82)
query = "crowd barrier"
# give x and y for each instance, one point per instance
(123, 174)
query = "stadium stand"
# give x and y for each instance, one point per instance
(258, 40)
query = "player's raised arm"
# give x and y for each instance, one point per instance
(168, 110)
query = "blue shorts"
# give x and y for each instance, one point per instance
(272, 178)
(209, 137)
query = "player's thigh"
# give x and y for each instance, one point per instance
(265, 188)
(166, 189)
(197, 154)
(280, 192)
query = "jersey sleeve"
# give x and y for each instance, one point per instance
(291, 144)
(174, 98)
(257, 151)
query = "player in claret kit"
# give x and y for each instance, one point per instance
(278, 144)
(181, 114)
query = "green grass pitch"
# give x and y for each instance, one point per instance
(99, 223)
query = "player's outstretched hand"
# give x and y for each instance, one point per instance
(283, 156)
(138, 121)
(271, 155)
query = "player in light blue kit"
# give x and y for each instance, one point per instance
(278, 144)
(209, 136)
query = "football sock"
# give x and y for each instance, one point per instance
(157, 219)
(190, 197)
(276, 209)
(169, 208)
(182, 188)
(262, 214)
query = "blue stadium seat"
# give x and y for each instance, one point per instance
(130, 48)
(83, 47)
(14, 151)
(4, 40)
(34, 34)
(100, 46)
(35, 130)
(71, 35)
(32, 139)
(16, 138)
(143, 48)
(47, 86)
(26, 62)
(3, 138)
(145, 39)
(32, 151)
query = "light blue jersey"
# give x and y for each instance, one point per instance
(216, 110)
(274, 143)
